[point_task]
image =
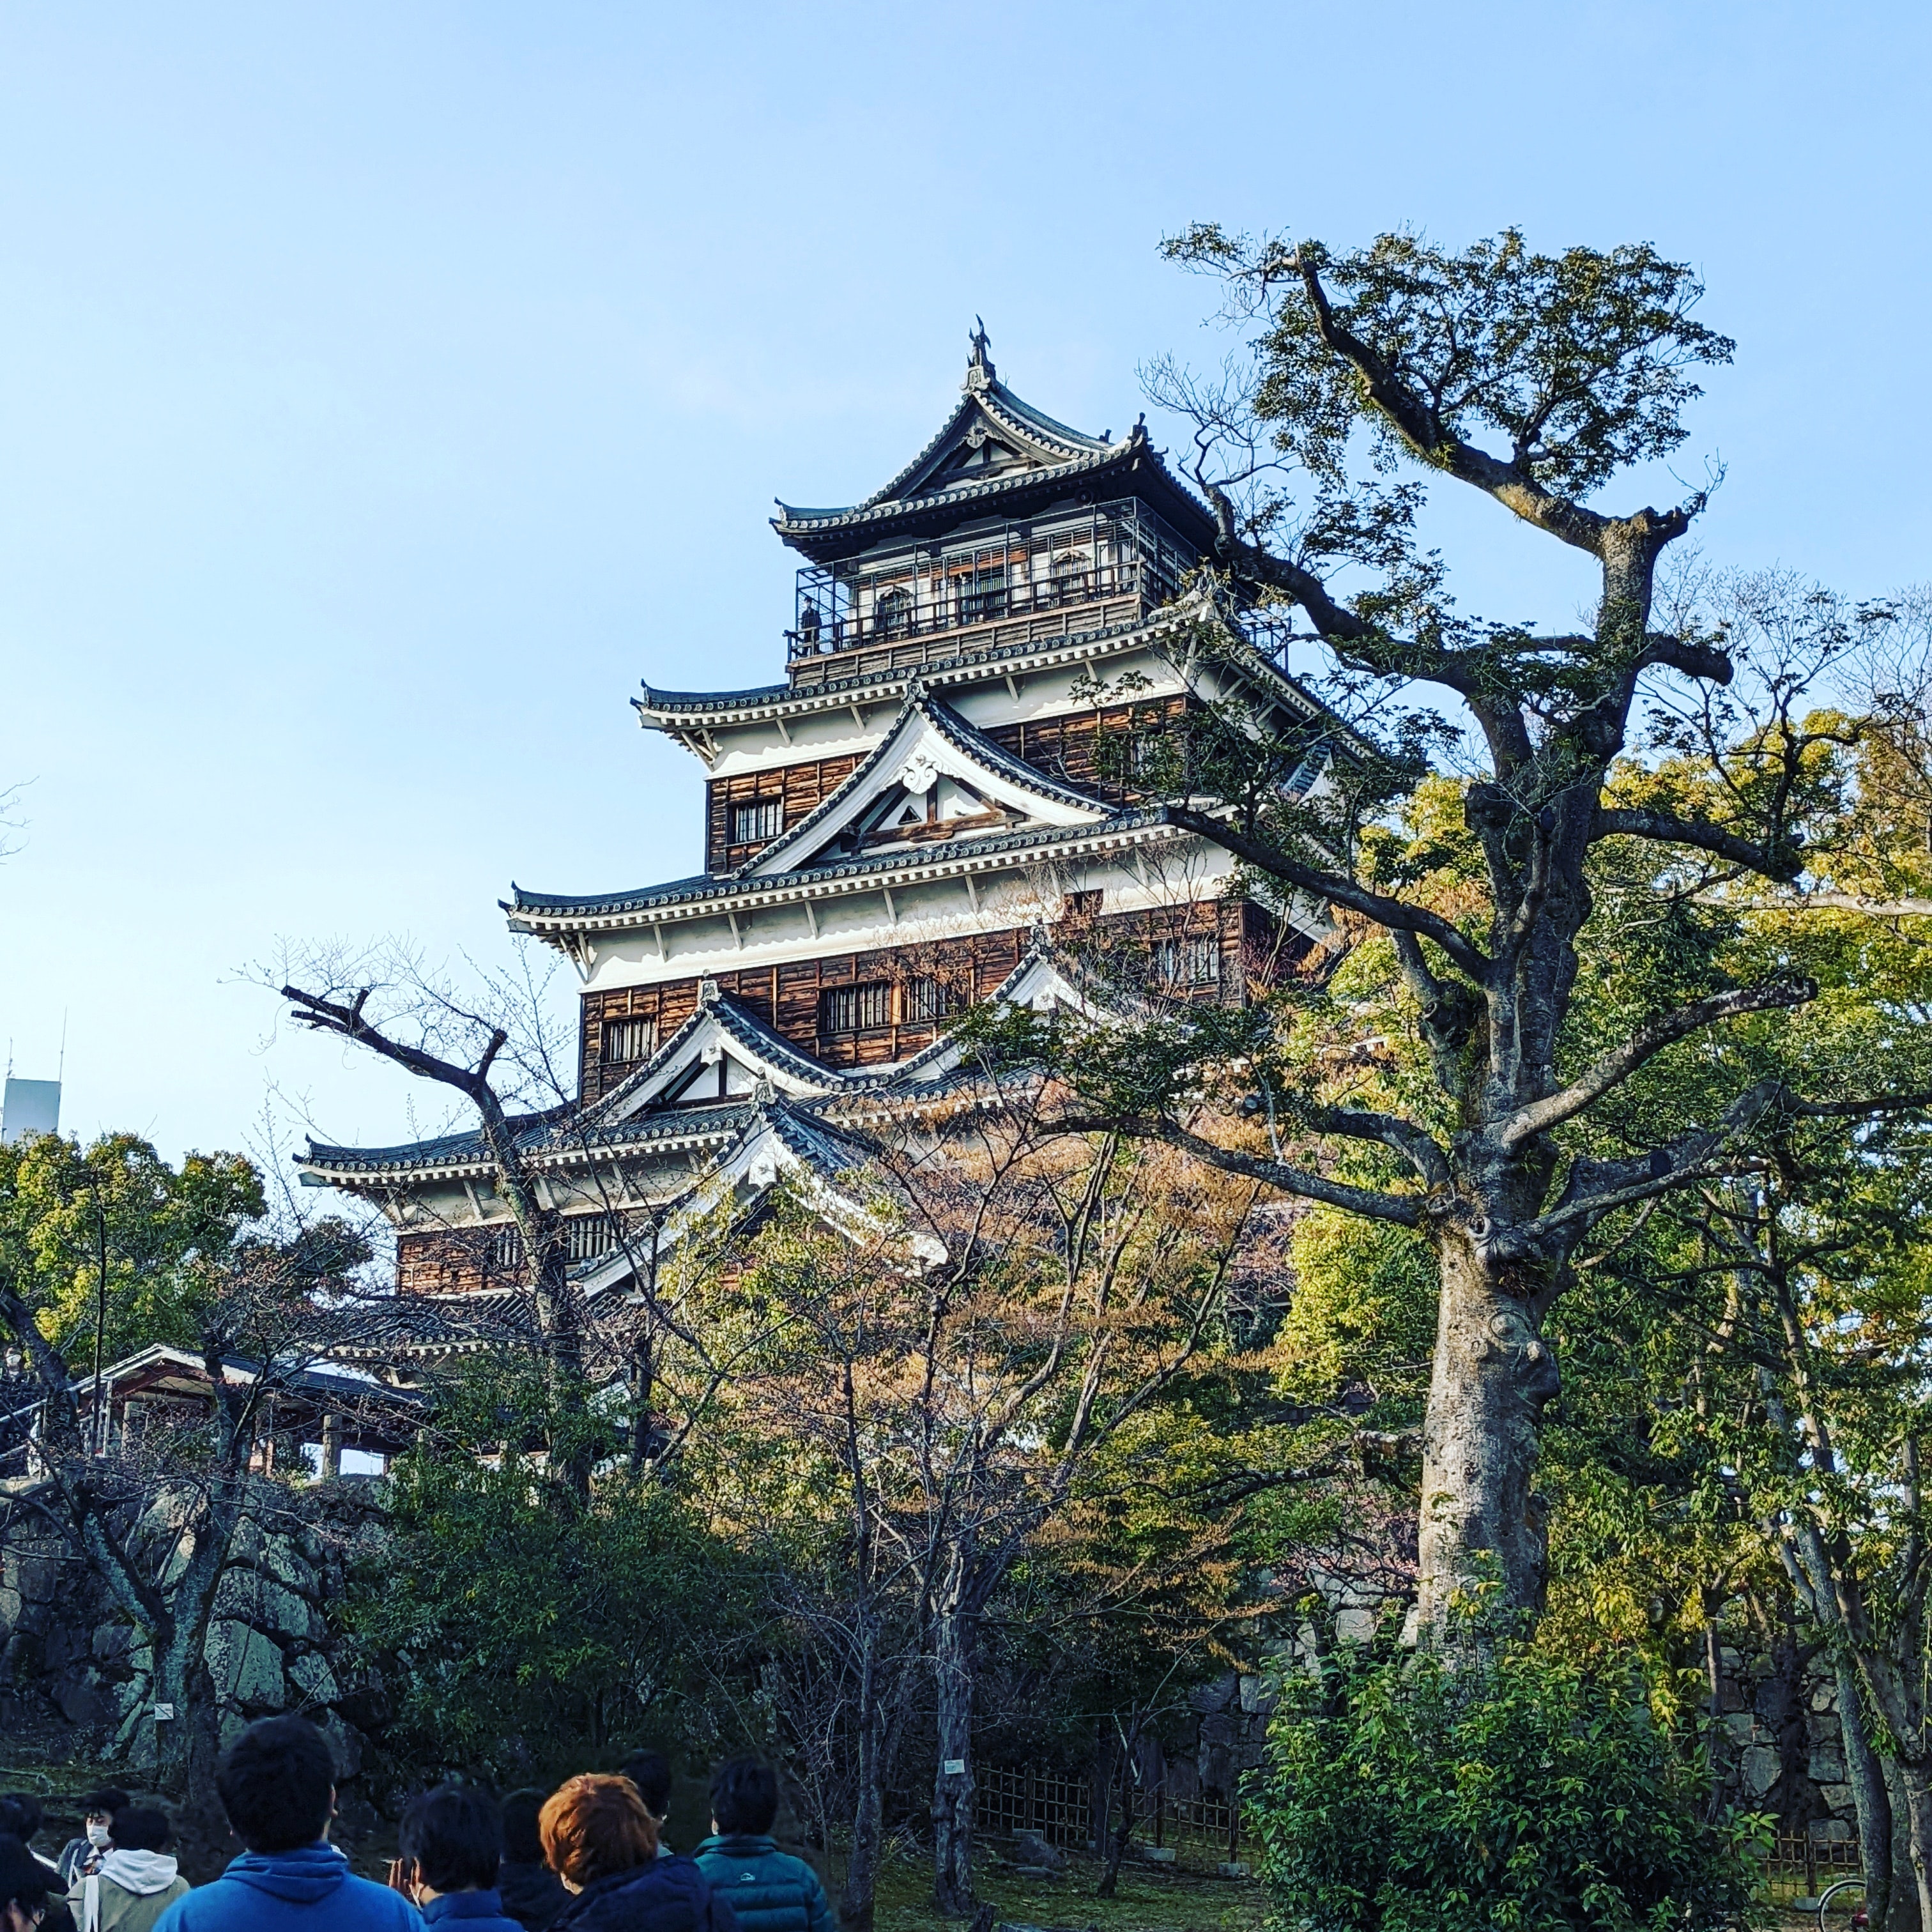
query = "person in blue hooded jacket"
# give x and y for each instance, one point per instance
(277, 1783)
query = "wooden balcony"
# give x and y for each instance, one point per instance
(877, 657)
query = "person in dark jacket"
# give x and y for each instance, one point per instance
(532, 1894)
(770, 1890)
(21, 1817)
(277, 1783)
(451, 1842)
(23, 1886)
(600, 1841)
(649, 1771)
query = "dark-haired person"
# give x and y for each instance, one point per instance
(21, 1817)
(649, 1771)
(532, 1894)
(137, 1881)
(451, 1842)
(23, 1887)
(770, 1891)
(277, 1783)
(600, 1841)
(84, 1854)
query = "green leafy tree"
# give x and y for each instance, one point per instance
(1518, 1791)
(522, 1625)
(160, 1515)
(1458, 1099)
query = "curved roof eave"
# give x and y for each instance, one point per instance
(717, 893)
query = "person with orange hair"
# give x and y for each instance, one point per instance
(598, 1838)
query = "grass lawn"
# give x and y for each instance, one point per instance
(1146, 1902)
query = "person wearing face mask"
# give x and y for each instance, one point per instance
(23, 1887)
(137, 1881)
(82, 1855)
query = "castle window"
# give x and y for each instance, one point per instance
(892, 615)
(982, 594)
(1082, 905)
(756, 822)
(627, 1039)
(1067, 577)
(926, 999)
(1195, 961)
(858, 1008)
(587, 1236)
(506, 1251)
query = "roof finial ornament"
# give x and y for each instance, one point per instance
(980, 371)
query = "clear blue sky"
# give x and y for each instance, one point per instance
(385, 390)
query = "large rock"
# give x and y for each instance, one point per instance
(1758, 1769)
(247, 1667)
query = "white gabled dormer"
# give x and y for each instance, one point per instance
(932, 779)
(722, 1052)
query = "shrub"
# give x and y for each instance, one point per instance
(1514, 1790)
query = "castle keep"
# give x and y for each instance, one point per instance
(940, 793)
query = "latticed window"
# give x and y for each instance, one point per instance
(926, 999)
(983, 593)
(587, 1236)
(1067, 576)
(505, 1252)
(757, 821)
(1195, 961)
(627, 1039)
(892, 615)
(857, 1008)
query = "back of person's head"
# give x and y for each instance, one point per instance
(523, 1843)
(21, 1816)
(649, 1771)
(140, 1828)
(595, 1825)
(454, 1838)
(23, 1878)
(277, 1782)
(744, 1796)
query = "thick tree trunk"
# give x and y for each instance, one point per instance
(953, 1786)
(1904, 1916)
(1917, 1788)
(1482, 1531)
(856, 1899)
(1872, 1806)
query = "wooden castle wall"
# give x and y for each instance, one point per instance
(800, 789)
(790, 996)
(1091, 748)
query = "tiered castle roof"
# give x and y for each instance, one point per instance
(896, 830)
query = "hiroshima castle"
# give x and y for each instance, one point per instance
(934, 808)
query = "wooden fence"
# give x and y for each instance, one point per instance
(1801, 1866)
(1012, 1799)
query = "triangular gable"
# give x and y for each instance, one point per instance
(722, 1052)
(990, 433)
(933, 778)
(779, 1144)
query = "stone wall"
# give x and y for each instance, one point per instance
(73, 1676)
(1777, 1748)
